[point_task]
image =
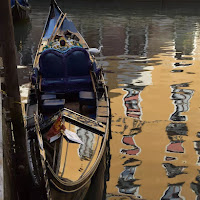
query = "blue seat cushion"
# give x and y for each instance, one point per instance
(77, 62)
(51, 64)
(80, 83)
(53, 85)
(53, 104)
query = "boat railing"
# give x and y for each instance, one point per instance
(57, 26)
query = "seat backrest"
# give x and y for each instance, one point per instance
(51, 64)
(77, 62)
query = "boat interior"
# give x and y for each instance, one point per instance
(72, 158)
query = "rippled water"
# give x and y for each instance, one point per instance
(151, 58)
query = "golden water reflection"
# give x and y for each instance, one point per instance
(155, 151)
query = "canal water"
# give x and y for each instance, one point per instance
(151, 59)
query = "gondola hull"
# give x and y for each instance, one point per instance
(68, 112)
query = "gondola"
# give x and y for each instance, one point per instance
(20, 9)
(68, 112)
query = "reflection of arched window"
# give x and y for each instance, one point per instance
(86, 149)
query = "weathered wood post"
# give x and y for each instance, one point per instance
(7, 48)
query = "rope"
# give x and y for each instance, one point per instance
(4, 93)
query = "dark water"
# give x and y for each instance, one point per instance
(151, 58)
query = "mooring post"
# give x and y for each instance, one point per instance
(8, 54)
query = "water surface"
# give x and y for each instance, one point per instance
(151, 59)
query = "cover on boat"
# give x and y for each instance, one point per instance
(66, 25)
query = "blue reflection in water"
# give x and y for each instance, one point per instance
(126, 181)
(173, 192)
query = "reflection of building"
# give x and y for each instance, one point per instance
(184, 38)
(86, 149)
(113, 38)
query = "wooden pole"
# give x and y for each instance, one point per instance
(7, 46)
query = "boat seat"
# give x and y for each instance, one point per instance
(51, 64)
(53, 105)
(48, 96)
(52, 71)
(87, 98)
(65, 72)
(78, 67)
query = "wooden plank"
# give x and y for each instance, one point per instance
(102, 119)
(83, 120)
(59, 26)
(102, 111)
(102, 104)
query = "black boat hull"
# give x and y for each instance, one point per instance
(20, 12)
(45, 161)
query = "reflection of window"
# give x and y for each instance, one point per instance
(128, 173)
(126, 181)
(180, 99)
(132, 101)
(175, 147)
